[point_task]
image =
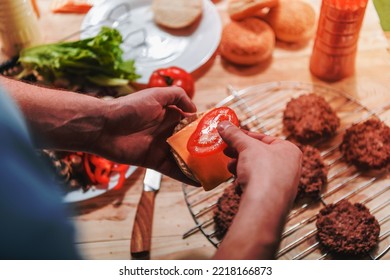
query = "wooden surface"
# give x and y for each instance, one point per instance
(141, 236)
(104, 224)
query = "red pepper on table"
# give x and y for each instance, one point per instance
(173, 76)
(99, 170)
(121, 169)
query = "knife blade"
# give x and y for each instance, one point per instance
(142, 228)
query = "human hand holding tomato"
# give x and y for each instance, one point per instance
(173, 76)
(137, 125)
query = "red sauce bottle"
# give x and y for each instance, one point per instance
(335, 45)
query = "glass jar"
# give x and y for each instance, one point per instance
(18, 26)
(335, 45)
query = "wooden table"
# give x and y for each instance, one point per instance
(104, 223)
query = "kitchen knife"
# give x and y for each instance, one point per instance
(142, 228)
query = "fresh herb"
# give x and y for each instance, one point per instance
(97, 60)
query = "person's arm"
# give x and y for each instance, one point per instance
(34, 221)
(57, 119)
(130, 129)
(268, 170)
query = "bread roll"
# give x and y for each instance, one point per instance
(241, 9)
(176, 13)
(247, 42)
(292, 21)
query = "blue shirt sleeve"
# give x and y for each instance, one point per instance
(34, 221)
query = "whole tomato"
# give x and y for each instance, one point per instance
(173, 76)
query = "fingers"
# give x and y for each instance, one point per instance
(264, 138)
(233, 136)
(175, 173)
(170, 168)
(232, 167)
(230, 152)
(174, 96)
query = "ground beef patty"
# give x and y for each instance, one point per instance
(314, 173)
(367, 145)
(347, 229)
(310, 117)
(227, 207)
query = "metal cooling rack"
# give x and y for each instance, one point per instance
(260, 108)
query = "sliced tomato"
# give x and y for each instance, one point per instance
(206, 140)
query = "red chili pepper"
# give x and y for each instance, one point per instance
(88, 169)
(99, 170)
(173, 76)
(206, 140)
(121, 169)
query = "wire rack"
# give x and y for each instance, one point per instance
(260, 108)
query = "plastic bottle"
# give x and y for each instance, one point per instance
(335, 46)
(18, 26)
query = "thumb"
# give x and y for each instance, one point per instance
(233, 136)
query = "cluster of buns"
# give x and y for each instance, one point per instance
(256, 24)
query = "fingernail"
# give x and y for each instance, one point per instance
(224, 125)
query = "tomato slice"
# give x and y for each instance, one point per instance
(206, 140)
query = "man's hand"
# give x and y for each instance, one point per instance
(268, 169)
(261, 158)
(137, 126)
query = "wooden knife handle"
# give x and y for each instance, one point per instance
(142, 228)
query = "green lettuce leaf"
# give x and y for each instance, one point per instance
(97, 60)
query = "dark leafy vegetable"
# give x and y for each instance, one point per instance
(97, 60)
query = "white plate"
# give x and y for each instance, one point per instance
(80, 195)
(148, 44)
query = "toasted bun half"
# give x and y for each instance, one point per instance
(176, 14)
(240, 9)
(292, 21)
(210, 171)
(247, 42)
